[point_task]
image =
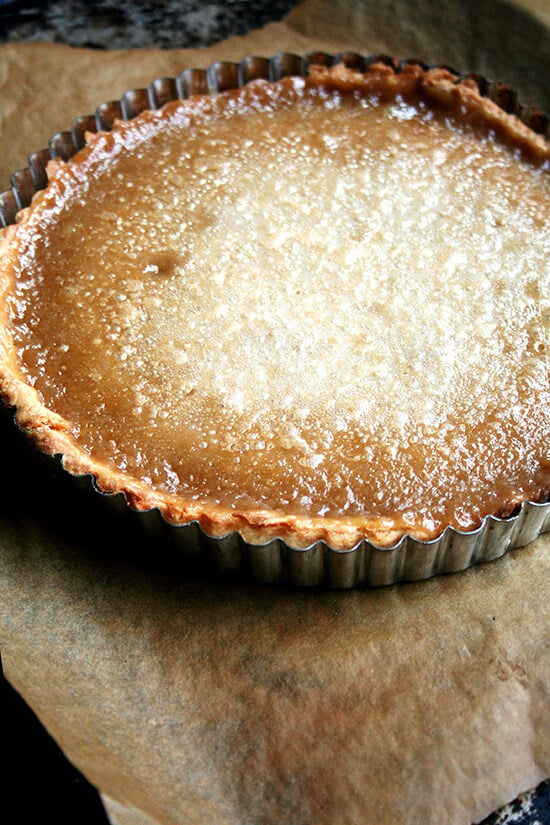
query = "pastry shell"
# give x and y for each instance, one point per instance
(294, 549)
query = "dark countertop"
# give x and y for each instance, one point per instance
(53, 786)
(126, 24)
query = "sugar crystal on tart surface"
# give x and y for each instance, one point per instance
(299, 300)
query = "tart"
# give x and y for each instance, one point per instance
(309, 309)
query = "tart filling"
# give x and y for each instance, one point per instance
(308, 309)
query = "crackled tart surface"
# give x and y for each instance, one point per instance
(311, 309)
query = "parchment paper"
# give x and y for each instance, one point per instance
(185, 699)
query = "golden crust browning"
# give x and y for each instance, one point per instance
(53, 434)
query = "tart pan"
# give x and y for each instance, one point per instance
(410, 559)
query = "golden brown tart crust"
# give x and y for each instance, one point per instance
(54, 434)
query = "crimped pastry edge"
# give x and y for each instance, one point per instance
(260, 528)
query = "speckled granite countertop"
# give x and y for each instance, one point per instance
(106, 24)
(132, 24)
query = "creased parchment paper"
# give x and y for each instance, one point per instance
(188, 700)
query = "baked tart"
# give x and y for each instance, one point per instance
(309, 310)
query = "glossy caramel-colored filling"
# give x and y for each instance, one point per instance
(303, 302)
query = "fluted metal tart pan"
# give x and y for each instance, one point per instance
(275, 561)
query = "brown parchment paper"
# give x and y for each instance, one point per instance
(187, 700)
